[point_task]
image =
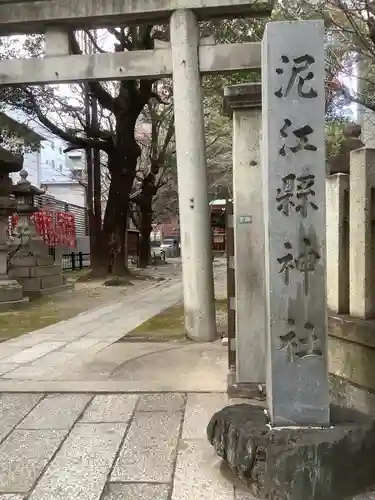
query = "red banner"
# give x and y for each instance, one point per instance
(56, 228)
(66, 229)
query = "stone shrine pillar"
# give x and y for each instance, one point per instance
(337, 207)
(293, 157)
(10, 289)
(244, 103)
(195, 222)
(361, 234)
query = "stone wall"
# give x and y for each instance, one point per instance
(351, 282)
(352, 362)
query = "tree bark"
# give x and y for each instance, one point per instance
(145, 205)
(116, 213)
(145, 231)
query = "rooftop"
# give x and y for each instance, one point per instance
(19, 129)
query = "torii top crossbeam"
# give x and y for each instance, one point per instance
(33, 16)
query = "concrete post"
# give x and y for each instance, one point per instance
(196, 249)
(244, 102)
(361, 244)
(337, 201)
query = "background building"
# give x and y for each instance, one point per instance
(60, 174)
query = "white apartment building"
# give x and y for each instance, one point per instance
(49, 167)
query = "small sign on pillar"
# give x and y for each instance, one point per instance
(293, 156)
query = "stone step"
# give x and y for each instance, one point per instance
(36, 284)
(46, 292)
(30, 261)
(10, 290)
(34, 272)
(13, 304)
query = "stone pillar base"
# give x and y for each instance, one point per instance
(38, 275)
(296, 463)
(11, 295)
(250, 390)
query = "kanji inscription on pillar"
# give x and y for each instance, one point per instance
(293, 152)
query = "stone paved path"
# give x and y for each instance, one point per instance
(81, 354)
(85, 418)
(110, 447)
(44, 354)
(148, 446)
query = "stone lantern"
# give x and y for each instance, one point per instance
(24, 193)
(31, 264)
(10, 290)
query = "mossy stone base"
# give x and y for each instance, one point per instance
(296, 463)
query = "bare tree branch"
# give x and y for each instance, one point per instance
(105, 99)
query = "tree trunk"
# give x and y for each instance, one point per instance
(116, 213)
(114, 224)
(98, 262)
(98, 258)
(145, 231)
(122, 164)
(145, 205)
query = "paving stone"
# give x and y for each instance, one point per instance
(199, 410)
(198, 475)
(6, 351)
(116, 333)
(149, 448)
(110, 408)
(241, 494)
(27, 340)
(5, 430)
(69, 335)
(13, 408)
(80, 468)
(23, 456)
(56, 411)
(140, 491)
(35, 352)
(11, 497)
(83, 366)
(29, 372)
(161, 402)
(80, 345)
(7, 367)
(54, 358)
(248, 401)
(369, 495)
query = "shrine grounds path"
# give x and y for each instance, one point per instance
(87, 415)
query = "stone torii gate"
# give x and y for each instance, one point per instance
(186, 58)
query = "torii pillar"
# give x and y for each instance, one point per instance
(195, 224)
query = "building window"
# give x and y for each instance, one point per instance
(60, 167)
(53, 163)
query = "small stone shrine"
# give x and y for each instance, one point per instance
(31, 264)
(298, 447)
(10, 290)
